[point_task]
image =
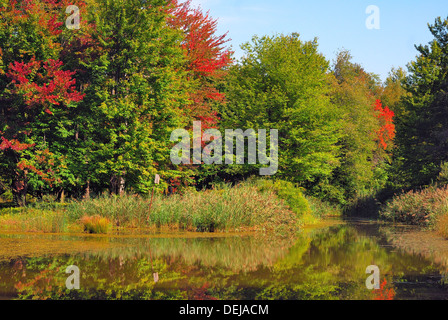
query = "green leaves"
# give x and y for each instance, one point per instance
(421, 132)
(282, 83)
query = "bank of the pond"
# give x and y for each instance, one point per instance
(427, 208)
(260, 206)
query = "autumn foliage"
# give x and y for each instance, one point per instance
(206, 59)
(384, 293)
(386, 133)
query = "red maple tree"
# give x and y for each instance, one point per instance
(206, 59)
(386, 133)
(38, 90)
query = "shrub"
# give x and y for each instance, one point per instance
(287, 191)
(96, 224)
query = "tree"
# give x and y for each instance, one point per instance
(422, 128)
(366, 128)
(36, 94)
(136, 92)
(282, 83)
(206, 60)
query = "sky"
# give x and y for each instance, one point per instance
(338, 25)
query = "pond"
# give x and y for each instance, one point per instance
(324, 262)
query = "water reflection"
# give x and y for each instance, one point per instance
(324, 263)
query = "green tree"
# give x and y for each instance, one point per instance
(136, 93)
(354, 94)
(282, 83)
(422, 134)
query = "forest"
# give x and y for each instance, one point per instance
(88, 112)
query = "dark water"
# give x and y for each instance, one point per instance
(322, 263)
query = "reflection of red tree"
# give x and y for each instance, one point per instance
(384, 293)
(201, 293)
(387, 131)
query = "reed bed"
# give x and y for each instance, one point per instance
(276, 207)
(225, 208)
(422, 207)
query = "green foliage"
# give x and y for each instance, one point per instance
(421, 129)
(361, 159)
(282, 83)
(134, 103)
(287, 191)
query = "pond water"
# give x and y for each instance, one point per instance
(325, 262)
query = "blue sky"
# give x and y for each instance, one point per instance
(338, 24)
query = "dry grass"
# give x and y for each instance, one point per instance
(96, 224)
(424, 207)
(442, 225)
(35, 221)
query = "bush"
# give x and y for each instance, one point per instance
(421, 207)
(96, 224)
(287, 191)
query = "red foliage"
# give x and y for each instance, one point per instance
(384, 293)
(57, 86)
(14, 144)
(38, 87)
(386, 133)
(206, 58)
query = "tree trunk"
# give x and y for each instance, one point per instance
(87, 193)
(19, 191)
(113, 184)
(121, 185)
(117, 185)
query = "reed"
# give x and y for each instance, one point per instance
(223, 208)
(96, 224)
(34, 221)
(422, 207)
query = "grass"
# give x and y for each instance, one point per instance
(442, 225)
(96, 224)
(34, 221)
(426, 207)
(258, 205)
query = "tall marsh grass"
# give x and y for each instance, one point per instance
(223, 208)
(34, 221)
(424, 207)
(256, 205)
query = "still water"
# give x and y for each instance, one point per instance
(325, 262)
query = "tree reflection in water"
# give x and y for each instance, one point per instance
(326, 263)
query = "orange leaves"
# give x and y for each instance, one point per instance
(386, 133)
(13, 145)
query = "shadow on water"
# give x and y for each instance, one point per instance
(328, 262)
